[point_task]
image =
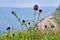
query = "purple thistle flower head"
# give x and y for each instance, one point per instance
(40, 10)
(13, 34)
(29, 23)
(7, 35)
(13, 12)
(8, 28)
(23, 21)
(35, 7)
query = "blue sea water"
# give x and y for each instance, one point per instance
(8, 20)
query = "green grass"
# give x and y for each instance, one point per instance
(57, 16)
(26, 35)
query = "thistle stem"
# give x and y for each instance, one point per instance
(18, 20)
(38, 17)
(34, 17)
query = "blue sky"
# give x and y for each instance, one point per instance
(28, 3)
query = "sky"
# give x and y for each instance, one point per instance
(28, 3)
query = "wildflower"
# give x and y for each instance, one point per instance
(45, 26)
(29, 23)
(8, 28)
(13, 34)
(23, 21)
(40, 10)
(36, 7)
(7, 35)
(12, 12)
(52, 26)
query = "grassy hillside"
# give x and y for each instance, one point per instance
(57, 15)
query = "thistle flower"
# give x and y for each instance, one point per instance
(8, 28)
(29, 23)
(52, 26)
(40, 10)
(13, 34)
(12, 12)
(45, 26)
(7, 35)
(23, 21)
(35, 7)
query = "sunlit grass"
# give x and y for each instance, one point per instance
(26, 35)
(57, 16)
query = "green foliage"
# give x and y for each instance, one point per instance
(26, 35)
(57, 16)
